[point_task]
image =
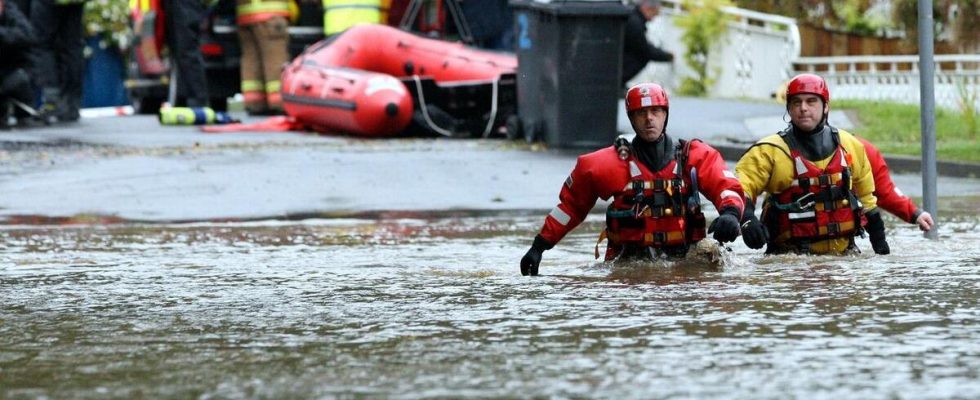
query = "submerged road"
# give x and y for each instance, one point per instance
(135, 169)
(402, 304)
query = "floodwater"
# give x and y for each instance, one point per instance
(413, 305)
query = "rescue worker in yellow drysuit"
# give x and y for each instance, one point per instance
(818, 178)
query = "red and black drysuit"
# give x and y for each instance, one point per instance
(650, 209)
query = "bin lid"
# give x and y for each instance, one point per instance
(612, 8)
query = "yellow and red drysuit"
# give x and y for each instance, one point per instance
(661, 217)
(814, 205)
(264, 36)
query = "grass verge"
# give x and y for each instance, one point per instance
(895, 129)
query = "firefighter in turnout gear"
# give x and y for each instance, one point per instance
(818, 178)
(263, 31)
(655, 184)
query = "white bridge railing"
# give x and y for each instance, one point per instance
(760, 52)
(896, 78)
(752, 60)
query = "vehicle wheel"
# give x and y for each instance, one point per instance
(146, 105)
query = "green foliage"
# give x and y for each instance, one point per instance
(855, 20)
(958, 17)
(703, 26)
(967, 103)
(896, 128)
(108, 19)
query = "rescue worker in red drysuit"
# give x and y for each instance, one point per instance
(818, 178)
(653, 182)
(889, 197)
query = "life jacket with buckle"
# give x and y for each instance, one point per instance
(819, 205)
(656, 209)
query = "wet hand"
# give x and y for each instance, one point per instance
(530, 262)
(754, 234)
(725, 227)
(925, 221)
(531, 259)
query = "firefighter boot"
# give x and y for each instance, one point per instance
(48, 113)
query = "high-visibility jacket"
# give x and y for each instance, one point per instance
(339, 15)
(890, 198)
(643, 220)
(255, 11)
(771, 166)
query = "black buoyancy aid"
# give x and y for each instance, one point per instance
(820, 204)
(656, 209)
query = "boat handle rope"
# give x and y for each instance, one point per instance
(493, 107)
(425, 110)
(446, 132)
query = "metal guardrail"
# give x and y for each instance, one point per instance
(896, 78)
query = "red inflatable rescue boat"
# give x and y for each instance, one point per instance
(348, 83)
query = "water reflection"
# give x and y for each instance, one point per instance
(409, 306)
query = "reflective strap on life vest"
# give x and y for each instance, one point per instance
(822, 180)
(800, 166)
(650, 238)
(833, 229)
(822, 206)
(671, 236)
(801, 215)
(634, 170)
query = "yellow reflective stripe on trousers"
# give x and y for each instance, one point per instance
(258, 6)
(339, 15)
(272, 86)
(251, 86)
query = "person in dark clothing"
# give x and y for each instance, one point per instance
(16, 38)
(491, 22)
(183, 32)
(637, 51)
(59, 57)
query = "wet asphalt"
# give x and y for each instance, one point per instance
(133, 168)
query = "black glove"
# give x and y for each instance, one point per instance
(754, 233)
(725, 226)
(531, 259)
(876, 230)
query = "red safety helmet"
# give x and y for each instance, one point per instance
(808, 83)
(646, 95)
